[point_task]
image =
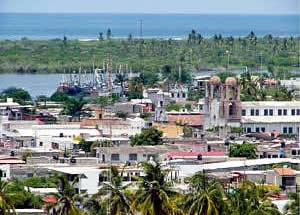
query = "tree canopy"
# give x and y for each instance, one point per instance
(243, 150)
(149, 136)
(19, 95)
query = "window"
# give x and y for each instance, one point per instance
(279, 112)
(285, 112)
(172, 95)
(294, 152)
(256, 112)
(41, 143)
(257, 130)
(243, 112)
(285, 130)
(274, 156)
(290, 130)
(133, 157)
(293, 112)
(183, 95)
(263, 129)
(252, 112)
(115, 157)
(298, 112)
(271, 112)
(248, 130)
(266, 112)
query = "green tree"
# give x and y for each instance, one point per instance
(21, 197)
(66, 199)
(149, 136)
(85, 145)
(116, 194)
(59, 97)
(205, 198)
(243, 150)
(74, 107)
(250, 199)
(155, 195)
(6, 203)
(18, 94)
(293, 207)
(94, 206)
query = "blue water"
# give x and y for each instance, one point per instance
(87, 26)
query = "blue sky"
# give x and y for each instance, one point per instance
(154, 6)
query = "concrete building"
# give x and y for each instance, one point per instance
(200, 81)
(271, 116)
(11, 109)
(87, 178)
(179, 94)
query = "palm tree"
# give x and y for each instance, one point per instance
(74, 107)
(251, 199)
(66, 199)
(293, 207)
(119, 198)
(155, 195)
(6, 204)
(205, 198)
(94, 206)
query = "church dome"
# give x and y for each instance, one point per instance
(231, 81)
(215, 80)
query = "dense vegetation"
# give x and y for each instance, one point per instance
(195, 53)
(243, 150)
(152, 194)
(149, 137)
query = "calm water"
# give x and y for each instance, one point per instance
(35, 84)
(46, 84)
(87, 26)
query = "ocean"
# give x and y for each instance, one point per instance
(177, 26)
(88, 26)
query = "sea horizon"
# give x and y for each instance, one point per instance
(86, 26)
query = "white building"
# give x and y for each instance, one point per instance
(87, 177)
(4, 172)
(271, 116)
(57, 136)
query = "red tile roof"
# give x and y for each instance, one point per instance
(49, 199)
(285, 171)
(188, 119)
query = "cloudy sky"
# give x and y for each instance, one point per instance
(153, 6)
